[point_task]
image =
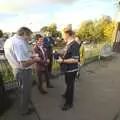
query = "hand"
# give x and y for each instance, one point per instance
(60, 60)
(35, 55)
(37, 59)
(48, 60)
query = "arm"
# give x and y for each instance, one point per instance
(70, 61)
(74, 56)
(22, 55)
(36, 51)
(28, 62)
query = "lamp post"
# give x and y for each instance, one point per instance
(116, 33)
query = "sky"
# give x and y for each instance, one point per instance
(36, 13)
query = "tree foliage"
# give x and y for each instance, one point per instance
(98, 30)
(44, 29)
(1, 33)
(52, 30)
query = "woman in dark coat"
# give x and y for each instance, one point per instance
(69, 66)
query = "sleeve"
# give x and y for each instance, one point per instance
(35, 50)
(75, 52)
(21, 52)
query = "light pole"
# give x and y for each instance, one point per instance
(116, 33)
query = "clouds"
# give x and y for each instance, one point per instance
(21, 5)
(12, 5)
(83, 10)
(37, 13)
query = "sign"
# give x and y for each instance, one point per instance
(106, 50)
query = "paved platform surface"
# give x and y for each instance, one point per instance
(97, 96)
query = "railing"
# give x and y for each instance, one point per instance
(90, 51)
(6, 71)
(7, 75)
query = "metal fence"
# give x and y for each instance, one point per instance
(7, 75)
(6, 71)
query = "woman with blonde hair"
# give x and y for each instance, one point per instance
(69, 65)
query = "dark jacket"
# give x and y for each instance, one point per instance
(72, 51)
(48, 43)
(42, 64)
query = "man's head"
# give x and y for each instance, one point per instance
(67, 33)
(25, 33)
(39, 39)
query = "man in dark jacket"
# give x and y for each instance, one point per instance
(48, 43)
(42, 65)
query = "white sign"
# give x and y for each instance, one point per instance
(106, 50)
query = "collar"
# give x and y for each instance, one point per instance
(19, 37)
(40, 46)
(70, 41)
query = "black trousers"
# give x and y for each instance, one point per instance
(43, 75)
(69, 80)
(50, 65)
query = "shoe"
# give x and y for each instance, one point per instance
(66, 107)
(52, 76)
(50, 86)
(63, 95)
(43, 91)
(29, 112)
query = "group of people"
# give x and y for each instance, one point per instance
(17, 53)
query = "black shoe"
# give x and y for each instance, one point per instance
(63, 95)
(43, 91)
(66, 107)
(50, 86)
(52, 76)
(29, 112)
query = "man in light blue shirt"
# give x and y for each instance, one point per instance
(17, 54)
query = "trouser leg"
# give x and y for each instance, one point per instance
(24, 78)
(70, 79)
(46, 74)
(40, 79)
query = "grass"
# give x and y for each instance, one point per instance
(91, 51)
(6, 71)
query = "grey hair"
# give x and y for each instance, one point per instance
(24, 31)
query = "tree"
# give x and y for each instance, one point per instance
(1, 33)
(108, 31)
(52, 30)
(98, 30)
(44, 29)
(107, 27)
(86, 30)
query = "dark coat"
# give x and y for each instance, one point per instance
(42, 65)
